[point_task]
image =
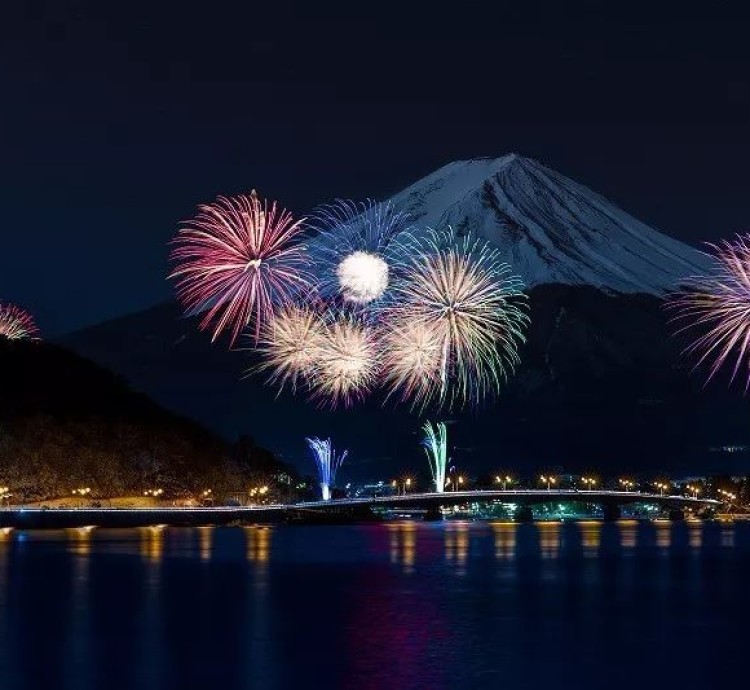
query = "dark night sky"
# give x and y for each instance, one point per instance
(118, 118)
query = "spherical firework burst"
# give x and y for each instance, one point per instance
(412, 355)
(237, 260)
(458, 291)
(290, 344)
(717, 308)
(346, 361)
(356, 249)
(363, 277)
(16, 323)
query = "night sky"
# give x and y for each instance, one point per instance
(118, 118)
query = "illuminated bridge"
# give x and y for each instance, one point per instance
(349, 509)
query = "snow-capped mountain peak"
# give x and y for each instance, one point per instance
(549, 228)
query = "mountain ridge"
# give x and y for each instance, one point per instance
(548, 227)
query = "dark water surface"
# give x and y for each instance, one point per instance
(401, 605)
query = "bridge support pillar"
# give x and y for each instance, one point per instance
(676, 515)
(523, 514)
(611, 512)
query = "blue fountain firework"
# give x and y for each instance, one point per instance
(327, 461)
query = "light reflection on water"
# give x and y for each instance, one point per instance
(402, 543)
(260, 607)
(505, 539)
(457, 544)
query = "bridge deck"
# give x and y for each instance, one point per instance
(131, 517)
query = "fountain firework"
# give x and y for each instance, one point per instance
(327, 462)
(435, 444)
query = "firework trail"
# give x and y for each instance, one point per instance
(327, 462)
(236, 261)
(357, 249)
(717, 307)
(16, 323)
(457, 291)
(435, 444)
(346, 361)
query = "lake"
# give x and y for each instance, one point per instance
(395, 605)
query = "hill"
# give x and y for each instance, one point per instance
(66, 422)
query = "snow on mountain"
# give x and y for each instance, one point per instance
(549, 228)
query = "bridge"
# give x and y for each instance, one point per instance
(347, 509)
(524, 499)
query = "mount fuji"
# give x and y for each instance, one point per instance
(601, 379)
(549, 228)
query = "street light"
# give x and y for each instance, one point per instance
(627, 484)
(503, 480)
(695, 490)
(82, 491)
(589, 482)
(662, 487)
(546, 479)
(153, 492)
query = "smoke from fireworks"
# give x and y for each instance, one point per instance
(346, 361)
(237, 260)
(16, 323)
(356, 249)
(327, 462)
(718, 308)
(456, 291)
(435, 444)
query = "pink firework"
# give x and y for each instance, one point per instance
(237, 261)
(16, 323)
(717, 307)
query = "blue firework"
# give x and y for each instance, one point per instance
(356, 250)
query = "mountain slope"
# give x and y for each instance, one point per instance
(549, 228)
(600, 385)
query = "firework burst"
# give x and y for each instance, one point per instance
(16, 323)
(347, 361)
(237, 261)
(456, 290)
(412, 356)
(328, 463)
(717, 308)
(290, 344)
(357, 249)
